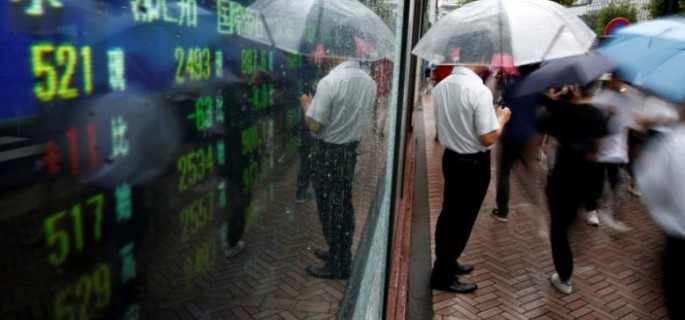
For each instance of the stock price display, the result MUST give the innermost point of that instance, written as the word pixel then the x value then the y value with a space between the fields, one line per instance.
pixel 123 117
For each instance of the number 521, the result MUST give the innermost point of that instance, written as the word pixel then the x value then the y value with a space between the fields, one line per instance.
pixel 54 69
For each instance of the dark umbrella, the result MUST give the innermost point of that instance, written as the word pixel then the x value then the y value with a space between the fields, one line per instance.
pixel 581 70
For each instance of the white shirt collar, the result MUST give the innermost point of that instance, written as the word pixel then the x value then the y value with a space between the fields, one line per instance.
pixel 345 65
pixel 466 71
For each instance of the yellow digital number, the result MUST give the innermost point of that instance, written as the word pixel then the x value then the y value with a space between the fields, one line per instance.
pixel 67 58
pixel 87 57
pixel 51 83
pixel 46 90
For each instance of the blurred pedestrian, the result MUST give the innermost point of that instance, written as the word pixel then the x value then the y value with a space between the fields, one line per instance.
pixel 514 143
pixel 660 173
pixel 468 126
pixel 612 156
pixel 577 125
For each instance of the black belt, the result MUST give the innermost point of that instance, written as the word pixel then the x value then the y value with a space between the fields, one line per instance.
pixel 469 156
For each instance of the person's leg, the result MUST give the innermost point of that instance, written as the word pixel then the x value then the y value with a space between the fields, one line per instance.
pixel 674 278
pixel 322 185
pixel 593 192
pixel 508 154
pixel 466 183
pixel 342 217
pixel 305 170
pixel 563 214
pixel 610 209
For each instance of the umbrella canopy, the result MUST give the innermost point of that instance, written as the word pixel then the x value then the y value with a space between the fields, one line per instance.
pixel 651 55
pixel 557 73
pixel 529 30
pixel 332 28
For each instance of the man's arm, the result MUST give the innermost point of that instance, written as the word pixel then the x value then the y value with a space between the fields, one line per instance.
pixel 503 116
pixel 312 125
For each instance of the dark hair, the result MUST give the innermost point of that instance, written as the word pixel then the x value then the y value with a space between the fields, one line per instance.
pixel 479 48
pixel 340 42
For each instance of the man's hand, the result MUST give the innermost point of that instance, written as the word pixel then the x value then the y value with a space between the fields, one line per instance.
pixel 556 94
pixel 503 115
pixel 305 101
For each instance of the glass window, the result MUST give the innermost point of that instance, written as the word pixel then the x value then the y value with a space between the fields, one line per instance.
pixel 156 160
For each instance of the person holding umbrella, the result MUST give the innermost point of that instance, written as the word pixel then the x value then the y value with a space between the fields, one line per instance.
pixel 335 116
pixel 577 125
pixel 468 125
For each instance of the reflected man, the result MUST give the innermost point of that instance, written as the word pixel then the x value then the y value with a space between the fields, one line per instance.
pixel 336 116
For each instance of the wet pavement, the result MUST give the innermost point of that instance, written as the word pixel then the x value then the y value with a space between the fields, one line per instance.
pixel 615 277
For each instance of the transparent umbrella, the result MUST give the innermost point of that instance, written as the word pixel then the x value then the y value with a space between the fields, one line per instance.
pixel 530 31
pixel 334 28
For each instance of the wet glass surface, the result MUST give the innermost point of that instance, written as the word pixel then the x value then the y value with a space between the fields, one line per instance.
pixel 151 156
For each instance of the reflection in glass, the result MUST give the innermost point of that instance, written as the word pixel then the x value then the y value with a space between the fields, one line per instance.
pixel 154 163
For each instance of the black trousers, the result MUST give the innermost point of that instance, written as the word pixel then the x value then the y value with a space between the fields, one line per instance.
pixel 332 174
pixel 566 192
pixel 509 154
pixel 305 170
pixel 600 174
pixel 674 278
pixel 467 177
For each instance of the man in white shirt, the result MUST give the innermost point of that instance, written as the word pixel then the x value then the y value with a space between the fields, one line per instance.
pixel 660 173
pixel 468 125
pixel 336 117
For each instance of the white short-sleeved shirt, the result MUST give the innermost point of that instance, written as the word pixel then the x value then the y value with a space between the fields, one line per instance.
pixel 614 147
pixel 464 111
pixel 660 174
pixel 344 98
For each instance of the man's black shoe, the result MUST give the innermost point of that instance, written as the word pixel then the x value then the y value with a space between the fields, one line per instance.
pixel 464 269
pixel 455 286
pixel 497 215
pixel 325 273
pixel 323 255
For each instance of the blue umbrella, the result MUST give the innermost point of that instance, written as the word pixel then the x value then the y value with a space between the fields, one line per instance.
pixel 581 69
pixel 651 55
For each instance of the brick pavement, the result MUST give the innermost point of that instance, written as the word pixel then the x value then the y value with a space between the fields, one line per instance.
pixel 615 277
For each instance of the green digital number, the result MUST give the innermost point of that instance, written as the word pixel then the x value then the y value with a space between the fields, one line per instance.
pixel 181 167
pixel 84 290
pixel 63 310
pixel 179 55
pixel 75 301
pixel 194 167
pixel 78 227
pixel 99 202
pixel 102 285
pixel 197 215
pixel 58 239
pixel 55 237
pixel 207 63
